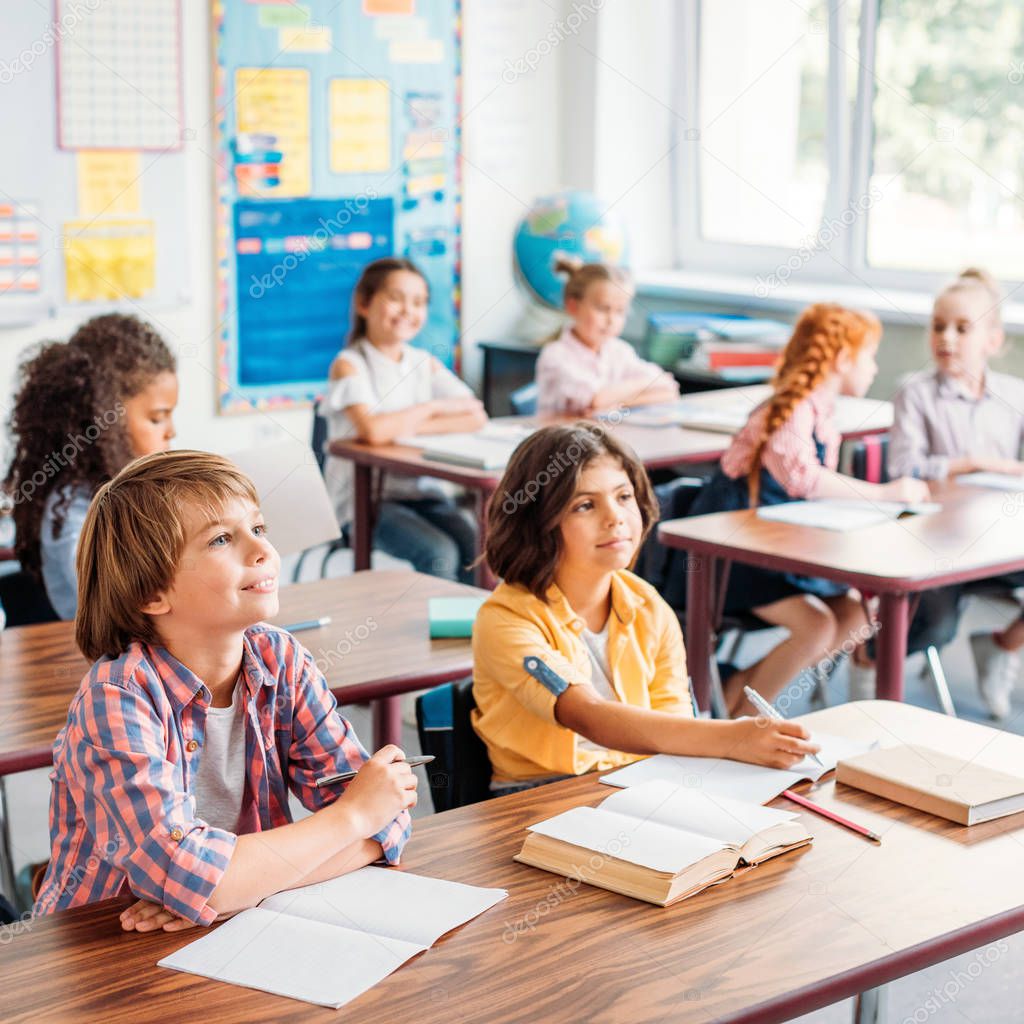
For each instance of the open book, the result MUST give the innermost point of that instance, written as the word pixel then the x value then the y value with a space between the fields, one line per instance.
pixel 490 447
pixel 735 780
pixel 835 514
pixel 328 943
pixel 660 842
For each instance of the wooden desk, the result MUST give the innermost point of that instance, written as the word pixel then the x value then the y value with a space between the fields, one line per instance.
pixel 788 937
pixel 656 447
pixel 977 534
pixel 376 647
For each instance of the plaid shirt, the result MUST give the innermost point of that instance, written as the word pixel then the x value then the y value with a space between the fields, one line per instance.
pixel 122 812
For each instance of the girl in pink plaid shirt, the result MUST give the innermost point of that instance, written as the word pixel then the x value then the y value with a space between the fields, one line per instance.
pixel 171 777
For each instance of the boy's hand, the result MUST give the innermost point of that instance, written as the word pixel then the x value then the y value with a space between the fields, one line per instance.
pixel 144 916
pixel 384 787
pixel 775 744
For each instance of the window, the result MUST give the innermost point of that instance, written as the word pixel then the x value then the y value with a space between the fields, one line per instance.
pixel 873 142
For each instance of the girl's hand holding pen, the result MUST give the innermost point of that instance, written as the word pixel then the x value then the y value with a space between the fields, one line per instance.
pixel 775 743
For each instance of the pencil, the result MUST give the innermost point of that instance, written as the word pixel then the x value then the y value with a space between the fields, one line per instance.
pixel 831 815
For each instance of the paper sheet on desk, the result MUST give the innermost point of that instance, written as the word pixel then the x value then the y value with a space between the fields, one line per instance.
pixel 736 780
pixel 841 516
pixel 328 943
pixel 996 481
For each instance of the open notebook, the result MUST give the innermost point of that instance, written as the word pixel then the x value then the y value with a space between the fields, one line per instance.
pixel 834 514
pixel 736 780
pixel 660 842
pixel 490 447
pixel 328 943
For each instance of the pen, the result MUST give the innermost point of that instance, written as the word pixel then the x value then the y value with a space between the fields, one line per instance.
pixel 296 627
pixel 330 780
pixel 831 815
pixel 768 711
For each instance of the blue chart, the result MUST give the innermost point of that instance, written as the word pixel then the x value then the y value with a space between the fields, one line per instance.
pixel 338 143
pixel 285 276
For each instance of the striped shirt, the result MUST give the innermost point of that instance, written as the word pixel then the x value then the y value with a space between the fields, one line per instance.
pixel 790 455
pixel 936 420
pixel 122 804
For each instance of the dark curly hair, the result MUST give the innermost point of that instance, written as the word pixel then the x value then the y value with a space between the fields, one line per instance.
pixel 67 423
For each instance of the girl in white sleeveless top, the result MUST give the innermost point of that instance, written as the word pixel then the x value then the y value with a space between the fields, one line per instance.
pixel 381 389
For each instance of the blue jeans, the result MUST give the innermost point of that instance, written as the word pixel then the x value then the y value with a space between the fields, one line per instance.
pixel 437 536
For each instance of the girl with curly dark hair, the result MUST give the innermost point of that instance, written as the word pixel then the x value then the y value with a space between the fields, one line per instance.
pixel 83 410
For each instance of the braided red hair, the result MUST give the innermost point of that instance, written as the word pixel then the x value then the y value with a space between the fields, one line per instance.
pixel 823 332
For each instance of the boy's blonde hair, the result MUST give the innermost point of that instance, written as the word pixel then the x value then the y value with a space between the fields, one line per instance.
pixel 978 280
pixel 133 539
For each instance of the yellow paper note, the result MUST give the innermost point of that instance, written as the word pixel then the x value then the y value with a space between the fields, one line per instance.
pixel 311 39
pixel 360 125
pixel 109 259
pixel 108 181
pixel 389 6
pixel 416 51
pixel 275 101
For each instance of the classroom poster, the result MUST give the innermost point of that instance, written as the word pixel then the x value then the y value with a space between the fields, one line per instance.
pixel 338 141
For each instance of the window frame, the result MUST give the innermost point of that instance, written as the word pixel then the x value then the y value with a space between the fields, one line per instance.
pixel 849 151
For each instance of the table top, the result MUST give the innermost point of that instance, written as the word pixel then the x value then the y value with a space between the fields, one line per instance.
pixel 656 447
pixel 978 533
pixel 376 645
pixel 798 932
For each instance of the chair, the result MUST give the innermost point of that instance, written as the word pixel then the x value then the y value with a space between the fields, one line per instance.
pixel 666 569
pixel 461 771
pixel 524 400
pixel 869 457
pixel 318 442
pixel 24 600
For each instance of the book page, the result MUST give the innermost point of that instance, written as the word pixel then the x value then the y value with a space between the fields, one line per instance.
pixel 736 780
pixel 288 956
pixel 1011 482
pixel 385 901
pixel 647 843
pixel 731 821
pixel 840 515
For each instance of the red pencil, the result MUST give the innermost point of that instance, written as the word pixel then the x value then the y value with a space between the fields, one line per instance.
pixel 831 815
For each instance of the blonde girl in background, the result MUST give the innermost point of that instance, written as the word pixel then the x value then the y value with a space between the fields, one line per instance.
pixel 588 367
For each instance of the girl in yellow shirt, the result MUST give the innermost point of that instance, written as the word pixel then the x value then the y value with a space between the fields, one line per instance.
pixel 579 664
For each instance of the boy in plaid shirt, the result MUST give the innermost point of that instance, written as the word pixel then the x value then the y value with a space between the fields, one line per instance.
pixel 171 776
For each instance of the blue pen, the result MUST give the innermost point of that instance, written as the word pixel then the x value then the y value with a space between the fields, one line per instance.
pixel 297 627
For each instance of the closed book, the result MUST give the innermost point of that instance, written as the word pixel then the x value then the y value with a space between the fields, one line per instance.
pixel 452 616
pixel 930 780
pixel 660 842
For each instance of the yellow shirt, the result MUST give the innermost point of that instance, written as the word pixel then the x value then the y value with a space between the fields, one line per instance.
pixel 526 652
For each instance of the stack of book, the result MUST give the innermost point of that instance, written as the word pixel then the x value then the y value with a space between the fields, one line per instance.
pixel 735 348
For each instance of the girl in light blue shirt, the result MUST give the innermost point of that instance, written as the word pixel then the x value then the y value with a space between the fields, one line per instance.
pixel 83 409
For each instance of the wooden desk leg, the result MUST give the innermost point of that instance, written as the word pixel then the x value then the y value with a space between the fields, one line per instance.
pixel 387 722
pixel 891 649
pixel 484 577
pixel 699 595
pixel 362 516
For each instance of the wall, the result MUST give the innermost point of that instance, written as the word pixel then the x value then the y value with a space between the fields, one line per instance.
pixel 511 138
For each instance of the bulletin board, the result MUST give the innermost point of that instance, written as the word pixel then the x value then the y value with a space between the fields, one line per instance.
pixel 338 142
pixel 92 187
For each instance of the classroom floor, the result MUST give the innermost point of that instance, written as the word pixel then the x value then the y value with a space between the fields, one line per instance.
pixel 948 992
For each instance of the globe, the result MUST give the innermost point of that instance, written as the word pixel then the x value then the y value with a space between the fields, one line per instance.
pixel 574 223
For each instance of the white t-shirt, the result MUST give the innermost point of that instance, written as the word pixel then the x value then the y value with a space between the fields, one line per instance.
pixel 385 386
pixel 601 674
pixel 220 780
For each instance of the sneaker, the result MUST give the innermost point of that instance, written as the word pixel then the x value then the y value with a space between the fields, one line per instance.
pixel 862 681
pixel 997 672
